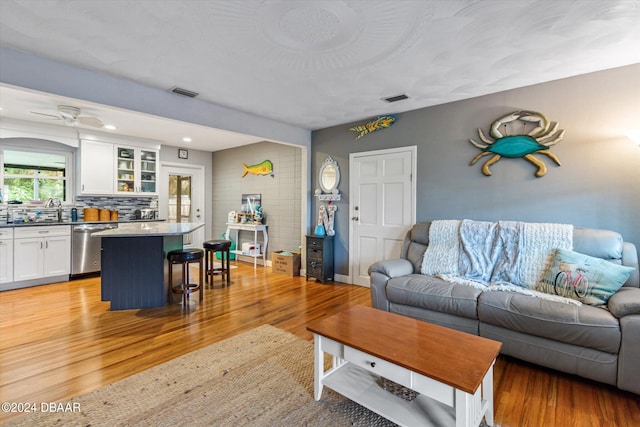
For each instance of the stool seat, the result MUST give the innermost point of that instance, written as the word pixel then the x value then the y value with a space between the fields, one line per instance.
pixel 185 255
pixel 212 247
pixel 217 245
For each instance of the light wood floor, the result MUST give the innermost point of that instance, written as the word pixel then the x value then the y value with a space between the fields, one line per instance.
pixel 60 340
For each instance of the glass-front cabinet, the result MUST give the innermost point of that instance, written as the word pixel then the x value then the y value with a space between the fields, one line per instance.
pixel 148 171
pixel 125 170
pixel 136 170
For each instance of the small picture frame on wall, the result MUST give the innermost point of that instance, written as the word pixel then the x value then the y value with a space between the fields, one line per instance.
pixel 182 153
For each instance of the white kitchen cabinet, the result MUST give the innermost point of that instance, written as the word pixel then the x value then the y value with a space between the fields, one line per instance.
pixel 6 255
pixel 136 170
pixel 96 168
pixel 41 251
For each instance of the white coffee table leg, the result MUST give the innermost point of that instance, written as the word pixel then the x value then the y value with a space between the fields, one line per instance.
pixel 487 395
pixel 318 366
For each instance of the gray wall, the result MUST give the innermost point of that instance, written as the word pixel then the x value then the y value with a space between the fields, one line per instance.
pixel 598 184
pixel 281 194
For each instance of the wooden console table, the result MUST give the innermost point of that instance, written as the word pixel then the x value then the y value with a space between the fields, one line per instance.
pixel 452 371
pixel 250 227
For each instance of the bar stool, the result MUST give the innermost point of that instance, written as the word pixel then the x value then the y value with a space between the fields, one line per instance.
pixel 185 257
pixel 211 248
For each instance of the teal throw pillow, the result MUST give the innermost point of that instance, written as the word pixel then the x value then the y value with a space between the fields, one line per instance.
pixel 582 277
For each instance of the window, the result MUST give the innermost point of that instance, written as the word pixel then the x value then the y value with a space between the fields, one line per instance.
pixel 35 175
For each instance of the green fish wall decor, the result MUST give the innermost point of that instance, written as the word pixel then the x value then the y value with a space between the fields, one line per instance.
pixel 264 168
pixel 382 122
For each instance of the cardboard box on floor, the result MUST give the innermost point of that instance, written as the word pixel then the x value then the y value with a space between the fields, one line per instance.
pixel 288 263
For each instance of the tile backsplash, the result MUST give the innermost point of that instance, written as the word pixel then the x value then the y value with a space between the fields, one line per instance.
pixel 126 207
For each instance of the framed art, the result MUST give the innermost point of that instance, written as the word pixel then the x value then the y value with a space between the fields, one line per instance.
pixel 182 153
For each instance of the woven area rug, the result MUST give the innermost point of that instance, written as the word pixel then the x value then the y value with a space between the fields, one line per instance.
pixel 263 377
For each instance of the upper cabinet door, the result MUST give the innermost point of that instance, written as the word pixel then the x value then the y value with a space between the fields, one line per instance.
pixel 136 170
pixel 96 168
pixel 126 161
pixel 148 171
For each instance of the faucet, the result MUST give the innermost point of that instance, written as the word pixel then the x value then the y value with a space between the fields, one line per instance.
pixel 55 202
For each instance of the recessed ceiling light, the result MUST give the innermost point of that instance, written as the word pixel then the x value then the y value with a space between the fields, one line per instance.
pixel 110 127
pixel 186 139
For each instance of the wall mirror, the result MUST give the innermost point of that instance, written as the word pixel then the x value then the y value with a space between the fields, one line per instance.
pixel 329 177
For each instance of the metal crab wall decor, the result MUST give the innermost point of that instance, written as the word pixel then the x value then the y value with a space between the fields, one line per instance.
pixel 521 142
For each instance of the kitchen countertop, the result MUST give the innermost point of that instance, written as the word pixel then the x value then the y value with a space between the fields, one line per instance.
pixel 148 229
pixel 4 224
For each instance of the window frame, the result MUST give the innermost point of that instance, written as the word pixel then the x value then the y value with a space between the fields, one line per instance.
pixel 69 167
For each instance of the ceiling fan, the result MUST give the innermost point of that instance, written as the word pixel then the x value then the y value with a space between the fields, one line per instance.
pixel 71 116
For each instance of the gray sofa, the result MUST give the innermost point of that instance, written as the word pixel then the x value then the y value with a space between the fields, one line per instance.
pixel 602 344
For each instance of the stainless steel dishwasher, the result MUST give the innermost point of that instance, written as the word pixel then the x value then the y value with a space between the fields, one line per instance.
pixel 85 250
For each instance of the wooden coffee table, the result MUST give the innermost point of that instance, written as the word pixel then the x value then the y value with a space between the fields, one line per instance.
pixel 452 371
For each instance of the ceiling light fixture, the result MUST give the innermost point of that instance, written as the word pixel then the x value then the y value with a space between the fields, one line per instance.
pixel 186 139
pixel 634 135
pixel 110 127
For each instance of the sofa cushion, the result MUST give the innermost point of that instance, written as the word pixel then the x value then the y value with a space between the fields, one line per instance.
pixel 582 277
pixel 434 294
pixel 584 325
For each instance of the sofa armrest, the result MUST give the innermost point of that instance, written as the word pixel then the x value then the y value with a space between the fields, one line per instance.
pixel 628 366
pixel 630 259
pixel 625 302
pixel 392 267
pixel 379 273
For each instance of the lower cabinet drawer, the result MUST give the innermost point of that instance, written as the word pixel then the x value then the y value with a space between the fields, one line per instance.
pixel 378 366
pixel 314 254
pixel 314 269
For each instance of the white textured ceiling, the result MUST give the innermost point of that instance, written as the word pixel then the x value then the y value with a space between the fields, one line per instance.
pixel 319 63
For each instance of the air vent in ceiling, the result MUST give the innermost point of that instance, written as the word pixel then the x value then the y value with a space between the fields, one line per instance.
pixel 395 98
pixel 184 92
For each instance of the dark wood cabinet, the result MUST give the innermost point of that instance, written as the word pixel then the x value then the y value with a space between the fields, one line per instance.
pixel 320 258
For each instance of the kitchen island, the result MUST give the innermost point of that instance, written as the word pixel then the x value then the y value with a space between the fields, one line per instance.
pixel 134 262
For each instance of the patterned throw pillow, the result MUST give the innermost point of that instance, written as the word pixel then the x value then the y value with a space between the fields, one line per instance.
pixel 587 279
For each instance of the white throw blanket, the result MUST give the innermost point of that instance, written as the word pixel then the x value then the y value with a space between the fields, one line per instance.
pixel 506 253
pixel 443 252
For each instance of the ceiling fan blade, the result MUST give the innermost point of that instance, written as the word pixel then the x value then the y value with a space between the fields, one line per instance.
pixel 90 121
pixel 66 116
pixel 53 116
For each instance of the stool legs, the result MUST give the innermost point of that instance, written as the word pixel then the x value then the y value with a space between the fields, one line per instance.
pixel 201 282
pixel 225 257
pixel 186 287
pixel 227 269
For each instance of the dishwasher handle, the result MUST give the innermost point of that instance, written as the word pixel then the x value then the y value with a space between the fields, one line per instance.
pixel 90 228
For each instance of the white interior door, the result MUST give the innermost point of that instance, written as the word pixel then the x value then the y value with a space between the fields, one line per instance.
pixel 181 198
pixel 382 206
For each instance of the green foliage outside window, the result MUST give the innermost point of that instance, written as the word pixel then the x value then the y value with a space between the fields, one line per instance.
pixel 26 182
